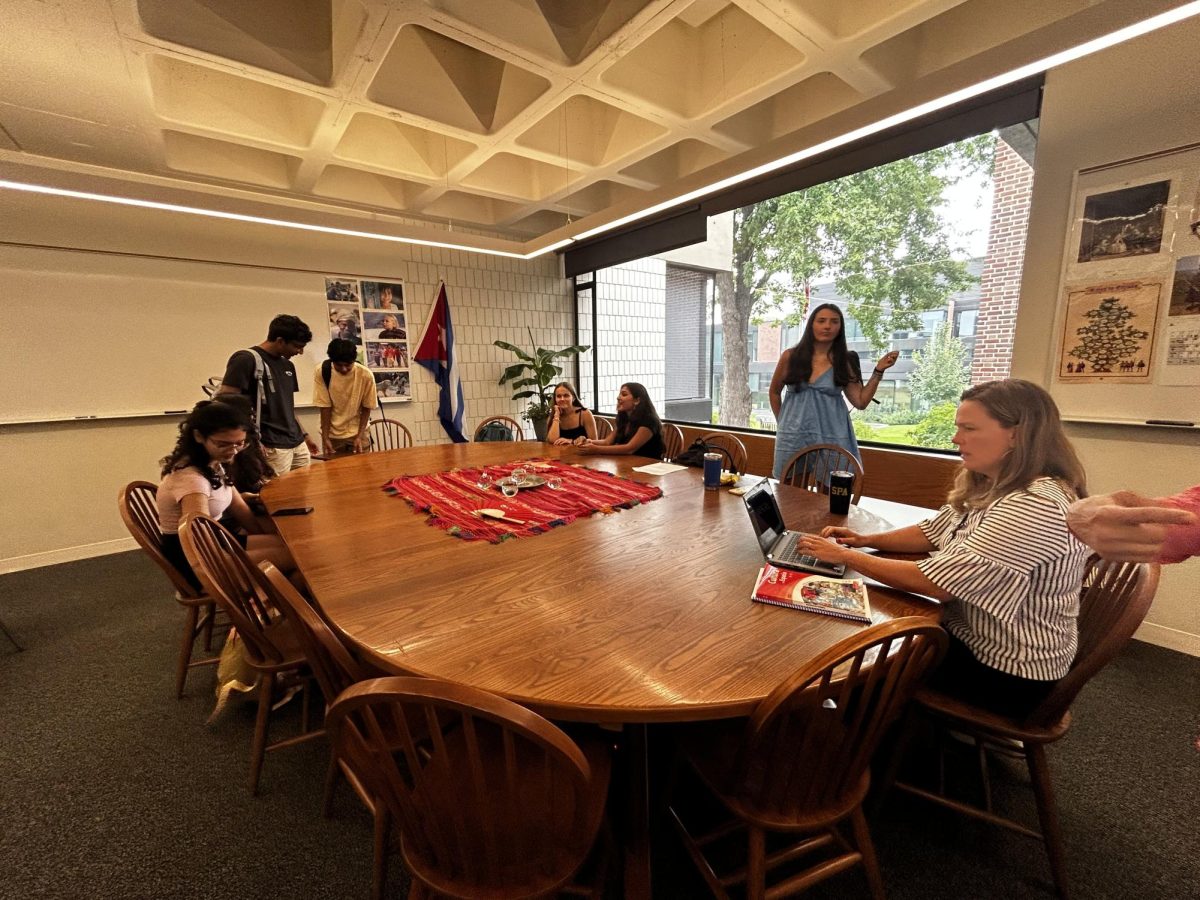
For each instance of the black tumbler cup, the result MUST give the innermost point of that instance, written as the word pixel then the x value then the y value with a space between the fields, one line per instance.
pixel 841 486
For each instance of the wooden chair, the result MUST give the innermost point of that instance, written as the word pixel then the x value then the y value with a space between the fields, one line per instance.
pixel 138 505
pixel 272 647
pixel 503 803
pixel 800 765
pixel 388 434
pixel 511 425
pixel 604 427
pixel 810 469
pixel 732 444
pixel 212 385
pixel 335 669
pixel 672 438
pixel 1114 600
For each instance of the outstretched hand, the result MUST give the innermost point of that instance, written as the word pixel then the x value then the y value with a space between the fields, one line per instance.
pixel 1125 526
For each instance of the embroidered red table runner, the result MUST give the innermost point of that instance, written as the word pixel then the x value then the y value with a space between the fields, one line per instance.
pixel 453 498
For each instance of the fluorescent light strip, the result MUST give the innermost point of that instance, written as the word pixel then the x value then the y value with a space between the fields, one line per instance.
pixel 258 220
pixel 1057 59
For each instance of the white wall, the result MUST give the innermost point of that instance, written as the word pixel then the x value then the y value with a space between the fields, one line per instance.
pixel 59 482
pixel 1138 98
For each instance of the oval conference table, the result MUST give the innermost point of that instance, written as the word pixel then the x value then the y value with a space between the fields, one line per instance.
pixel 635 617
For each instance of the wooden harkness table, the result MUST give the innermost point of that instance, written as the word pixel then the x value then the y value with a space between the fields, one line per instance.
pixel 635 617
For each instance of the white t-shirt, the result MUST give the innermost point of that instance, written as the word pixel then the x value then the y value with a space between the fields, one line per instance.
pixel 177 485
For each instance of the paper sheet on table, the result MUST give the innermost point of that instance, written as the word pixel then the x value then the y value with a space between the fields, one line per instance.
pixel 659 468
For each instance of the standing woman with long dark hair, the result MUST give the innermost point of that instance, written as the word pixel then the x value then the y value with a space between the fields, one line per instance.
pixel 817 373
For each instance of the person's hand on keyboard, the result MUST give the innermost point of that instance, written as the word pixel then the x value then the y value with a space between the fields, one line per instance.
pixel 823 549
pixel 845 536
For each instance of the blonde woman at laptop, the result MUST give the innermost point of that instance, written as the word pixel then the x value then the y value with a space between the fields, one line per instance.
pixel 1001 555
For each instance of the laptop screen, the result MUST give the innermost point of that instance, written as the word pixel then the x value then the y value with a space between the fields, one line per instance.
pixel 764 514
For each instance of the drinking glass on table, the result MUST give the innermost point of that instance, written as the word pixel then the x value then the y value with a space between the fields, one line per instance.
pixel 509 488
pixel 518 475
pixel 483 480
pixel 554 483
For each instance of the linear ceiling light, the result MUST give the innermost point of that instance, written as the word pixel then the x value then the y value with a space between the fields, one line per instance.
pixel 1119 36
pixel 259 220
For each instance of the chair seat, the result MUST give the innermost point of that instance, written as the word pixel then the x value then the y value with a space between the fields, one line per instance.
pixel 283 636
pixel 712 750
pixel 595 749
pixel 953 709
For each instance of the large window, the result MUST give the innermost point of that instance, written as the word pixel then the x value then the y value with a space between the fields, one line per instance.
pixel 922 255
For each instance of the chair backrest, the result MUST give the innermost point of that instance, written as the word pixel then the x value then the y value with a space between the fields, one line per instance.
pixel 499 428
pixel 493 802
pixel 732 445
pixel 211 385
pixel 1115 599
pixel 388 434
pixel 604 427
pixel 331 662
pixel 232 580
pixel 811 466
pixel 808 745
pixel 138 503
pixel 672 438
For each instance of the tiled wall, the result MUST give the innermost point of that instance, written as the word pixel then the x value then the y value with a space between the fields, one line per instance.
pixel 631 301
pixel 490 299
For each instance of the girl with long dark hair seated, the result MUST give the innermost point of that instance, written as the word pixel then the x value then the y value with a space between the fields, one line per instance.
pixel 571 422
pixel 638 429
pixel 817 372
pixel 195 482
pixel 1001 555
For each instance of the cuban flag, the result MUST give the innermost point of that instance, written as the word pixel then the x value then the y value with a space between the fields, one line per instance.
pixel 436 353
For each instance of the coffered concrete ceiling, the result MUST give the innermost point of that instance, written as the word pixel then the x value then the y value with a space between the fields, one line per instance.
pixel 522 120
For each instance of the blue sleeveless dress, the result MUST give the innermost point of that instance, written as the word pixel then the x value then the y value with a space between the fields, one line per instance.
pixel 812 413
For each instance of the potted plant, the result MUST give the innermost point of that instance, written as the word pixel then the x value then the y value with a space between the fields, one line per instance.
pixel 532 377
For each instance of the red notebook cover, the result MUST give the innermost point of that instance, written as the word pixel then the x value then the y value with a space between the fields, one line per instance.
pixel 845 598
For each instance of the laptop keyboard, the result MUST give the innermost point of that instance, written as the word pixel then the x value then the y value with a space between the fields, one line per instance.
pixel 789 554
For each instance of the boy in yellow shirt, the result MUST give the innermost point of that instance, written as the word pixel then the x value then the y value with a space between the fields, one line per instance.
pixel 345 392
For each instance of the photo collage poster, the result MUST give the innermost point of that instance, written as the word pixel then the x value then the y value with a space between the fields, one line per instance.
pixel 373 315
pixel 1131 278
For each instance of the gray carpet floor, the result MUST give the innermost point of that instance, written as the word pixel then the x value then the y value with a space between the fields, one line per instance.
pixel 114 789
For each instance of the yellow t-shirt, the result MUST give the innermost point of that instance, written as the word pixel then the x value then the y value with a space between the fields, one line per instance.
pixel 347 396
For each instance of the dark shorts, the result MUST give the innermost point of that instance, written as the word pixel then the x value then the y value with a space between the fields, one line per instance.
pixel 962 676
pixel 173 551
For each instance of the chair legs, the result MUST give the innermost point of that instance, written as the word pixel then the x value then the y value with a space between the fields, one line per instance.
pixel 1043 792
pixel 266 692
pixel 862 837
pixel 193 626
pixel 383 835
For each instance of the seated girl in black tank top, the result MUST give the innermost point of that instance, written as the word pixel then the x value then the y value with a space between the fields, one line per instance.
pixel 570 422
pixel 638 430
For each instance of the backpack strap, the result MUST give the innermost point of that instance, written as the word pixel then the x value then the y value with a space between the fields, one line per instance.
pixel 263 382
pixel 327 372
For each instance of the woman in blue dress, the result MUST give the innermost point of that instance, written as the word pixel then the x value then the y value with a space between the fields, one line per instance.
pixel 817 373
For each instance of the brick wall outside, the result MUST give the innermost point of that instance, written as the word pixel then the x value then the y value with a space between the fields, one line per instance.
pixel 1000 281
pixel 769 337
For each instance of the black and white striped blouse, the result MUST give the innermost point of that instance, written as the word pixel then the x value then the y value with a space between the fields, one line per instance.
pixel 1016 571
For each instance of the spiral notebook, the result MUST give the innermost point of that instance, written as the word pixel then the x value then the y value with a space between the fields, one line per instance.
pixel 845 598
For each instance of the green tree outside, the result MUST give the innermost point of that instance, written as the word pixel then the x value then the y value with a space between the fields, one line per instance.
pixel 940 370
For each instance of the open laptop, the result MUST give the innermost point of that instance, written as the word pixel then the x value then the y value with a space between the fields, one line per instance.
pixel 777 543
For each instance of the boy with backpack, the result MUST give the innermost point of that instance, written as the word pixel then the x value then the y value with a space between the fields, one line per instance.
pixel 265 374
pixel 345 392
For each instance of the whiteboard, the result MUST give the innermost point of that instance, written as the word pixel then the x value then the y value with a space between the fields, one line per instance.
pixel 104 335
pixel 1110 255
